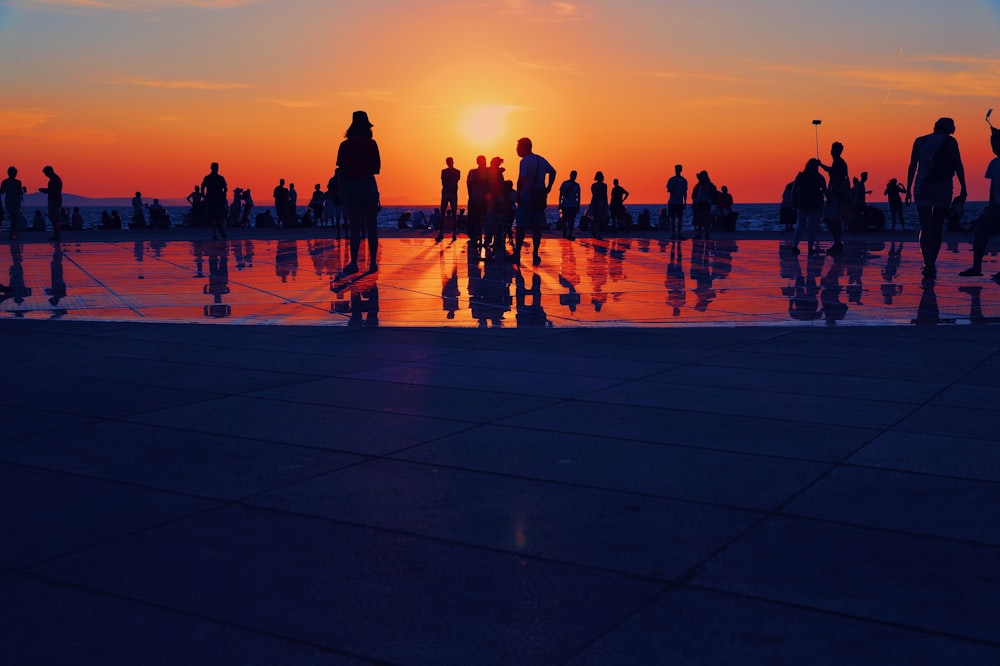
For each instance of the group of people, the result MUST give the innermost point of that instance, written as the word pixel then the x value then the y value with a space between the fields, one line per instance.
pixel 497 205
pixel 935 164
pixel 13 191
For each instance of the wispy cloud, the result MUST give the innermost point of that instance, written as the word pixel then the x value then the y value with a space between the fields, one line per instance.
pixel 728 100
pixel 293 103
pixel 137 5
pixel 186 85
pixel 374 95
pixel 13 123
pixel 950 76
pixel 534 11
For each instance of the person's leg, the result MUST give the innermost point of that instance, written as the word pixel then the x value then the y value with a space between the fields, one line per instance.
pixel 799 228
pixel 931 233
pixel 989 226
pixel 536 237
pixel 812 229
pixel 356 219
pixel 372 225
pixel 55 210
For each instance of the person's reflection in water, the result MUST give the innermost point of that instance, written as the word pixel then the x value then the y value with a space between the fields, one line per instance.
pixel 364 301
pixel 927 311
pixel 833 309
pixel 450 290
pixel 889 272
pixel 58 289
pixel 323 253
pixel 597 271
pixel 489 293
pixel 17 289
pixel 157 247
pixel 976 315
pixel 722 258
pixel 855 265
pixel 530 313
pixel 286 259
pixel 675 283
pixel 803 299
pixel 218 279
pixel 617 247
pixel 198 250
pixel 139 251
pixel 701 273
pixel 569 278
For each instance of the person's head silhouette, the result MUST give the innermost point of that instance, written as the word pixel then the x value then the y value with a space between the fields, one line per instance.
pixel 11 171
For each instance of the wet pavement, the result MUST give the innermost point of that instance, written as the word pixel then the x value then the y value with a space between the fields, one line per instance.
pixel 633 484
pixel 617 282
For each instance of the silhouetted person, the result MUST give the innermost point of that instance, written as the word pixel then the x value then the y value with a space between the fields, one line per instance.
pixel 477 183
pixel 860 194
pixel 663 220
pixel 838 196
pixel 138 213
pixel 214 187
pixel 280 202
pixel 116 220
pixel 786 214
pixel 534 182
pixel 702 200
pixel 616 206
pixel 725 214
pixel 569 204
pixel 158 216
pixel 247 208
pixel 449 194
pixel 808 193
pixel 105 220
pixel 76 220
pixel 677 189
pixel 496 209
pixel 13 192
pixel 293 204
pixel 359 162
pixel 893 193
pixel 644 222
pixel 54 191
pixel 989 221
pixel 599 207
pixel 197 201
pixel 236 207
pixel 934 162
pixel 316 204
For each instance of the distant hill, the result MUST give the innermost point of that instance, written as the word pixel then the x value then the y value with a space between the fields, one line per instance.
pixel 39 200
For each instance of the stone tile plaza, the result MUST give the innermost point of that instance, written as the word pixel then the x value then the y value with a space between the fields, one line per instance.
pixel 638 452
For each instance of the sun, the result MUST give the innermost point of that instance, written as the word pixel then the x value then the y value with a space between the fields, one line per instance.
pixel 484 124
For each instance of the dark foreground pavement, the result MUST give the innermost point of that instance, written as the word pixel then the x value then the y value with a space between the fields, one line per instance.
pixel 185 494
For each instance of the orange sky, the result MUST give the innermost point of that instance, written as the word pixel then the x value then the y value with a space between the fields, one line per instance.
pixel 122 95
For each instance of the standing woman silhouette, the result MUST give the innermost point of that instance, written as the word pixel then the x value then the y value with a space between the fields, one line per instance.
pixel 359 162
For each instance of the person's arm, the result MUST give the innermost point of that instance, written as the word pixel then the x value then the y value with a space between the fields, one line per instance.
pixel 624 195
pixel 911 170
pixel 960 174
pixel 552 178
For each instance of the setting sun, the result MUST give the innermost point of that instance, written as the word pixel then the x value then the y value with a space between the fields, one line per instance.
pixel 483 125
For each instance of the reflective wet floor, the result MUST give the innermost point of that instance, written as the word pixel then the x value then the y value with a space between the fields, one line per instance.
pixel 614 282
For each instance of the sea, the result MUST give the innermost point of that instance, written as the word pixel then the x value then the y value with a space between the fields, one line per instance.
pixel 752 217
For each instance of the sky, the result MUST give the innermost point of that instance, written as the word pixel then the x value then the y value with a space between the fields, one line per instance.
pixel 128 95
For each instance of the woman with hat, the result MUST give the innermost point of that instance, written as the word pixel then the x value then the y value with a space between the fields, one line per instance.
pixel 359 162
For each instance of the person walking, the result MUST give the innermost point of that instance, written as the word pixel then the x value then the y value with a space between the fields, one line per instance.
pixel 935 161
